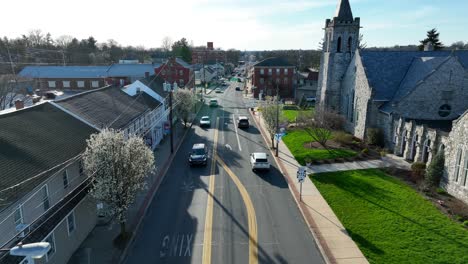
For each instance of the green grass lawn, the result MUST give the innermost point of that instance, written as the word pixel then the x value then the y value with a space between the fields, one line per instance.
pixel 391 222
pixel 291 114
pixel 295 140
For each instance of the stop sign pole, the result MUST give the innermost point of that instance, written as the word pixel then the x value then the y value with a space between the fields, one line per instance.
pixel 301 174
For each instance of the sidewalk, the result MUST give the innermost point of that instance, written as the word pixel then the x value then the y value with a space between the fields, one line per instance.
pixel 98 247
pixel 332 239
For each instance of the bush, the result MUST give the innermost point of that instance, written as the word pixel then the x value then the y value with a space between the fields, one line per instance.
pixel 290 107
pixel 417 171
pixel 441 191
pixel 435 170
pixel 465 224
pixel 375 137
pixel 365 151
pixel 343 138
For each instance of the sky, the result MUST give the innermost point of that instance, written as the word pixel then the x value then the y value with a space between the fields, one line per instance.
pixel 239 24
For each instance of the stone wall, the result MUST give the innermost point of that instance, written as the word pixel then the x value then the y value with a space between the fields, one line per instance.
pixel 457 142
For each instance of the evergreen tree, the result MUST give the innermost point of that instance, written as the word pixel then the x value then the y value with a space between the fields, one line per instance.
pixel 432 38
pixel 435 170
pixel 181 49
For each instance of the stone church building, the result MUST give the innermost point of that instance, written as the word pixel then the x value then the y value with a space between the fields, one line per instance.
pixel 417 98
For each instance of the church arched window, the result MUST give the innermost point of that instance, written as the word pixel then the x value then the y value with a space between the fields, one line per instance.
pixel 350 43
pixel 338 48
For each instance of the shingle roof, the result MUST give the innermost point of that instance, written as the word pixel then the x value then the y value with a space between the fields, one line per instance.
pixel 386 70
pixel 34 140
pixel 105 107
pixel 343 11
pixel 155 84
pixel 272 62
pixel 148 100
pixel 138 70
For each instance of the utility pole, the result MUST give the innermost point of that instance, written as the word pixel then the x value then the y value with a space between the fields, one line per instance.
pixel 277 117
pixel 170 118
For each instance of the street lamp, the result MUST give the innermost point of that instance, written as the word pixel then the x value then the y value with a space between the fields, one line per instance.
pixel 168 88
pixel 30 251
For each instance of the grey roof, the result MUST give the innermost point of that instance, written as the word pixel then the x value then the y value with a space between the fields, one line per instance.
pixel 155 84
pixel 272 62
pixel 139 69
pixel 386 70
pixel 183 63
pixel 64 71
pixel 34 140
pixel 147 100
pixel 105 107
pixel 114 70
pixel 343 11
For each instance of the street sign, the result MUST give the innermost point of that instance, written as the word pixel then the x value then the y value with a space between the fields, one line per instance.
pixel 301 174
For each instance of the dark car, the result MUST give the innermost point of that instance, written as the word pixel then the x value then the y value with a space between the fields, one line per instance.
pixel 198 155
pixel 237 88
pixel 243 122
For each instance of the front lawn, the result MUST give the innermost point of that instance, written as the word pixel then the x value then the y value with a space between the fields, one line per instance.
pixel 292 114
pixel 296 139
pixel 391 222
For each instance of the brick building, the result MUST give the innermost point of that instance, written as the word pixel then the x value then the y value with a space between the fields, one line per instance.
pixel 208 55
pixel 176 70
pixel 271 73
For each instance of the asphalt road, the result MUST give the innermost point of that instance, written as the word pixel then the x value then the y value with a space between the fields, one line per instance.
pixel 251 216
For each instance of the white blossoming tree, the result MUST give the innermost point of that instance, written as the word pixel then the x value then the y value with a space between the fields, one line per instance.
pixel 184 104
pixel 119 167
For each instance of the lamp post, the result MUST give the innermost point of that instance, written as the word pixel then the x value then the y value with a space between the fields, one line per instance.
pixel 277 118
pixel 30 251
pixel 168 88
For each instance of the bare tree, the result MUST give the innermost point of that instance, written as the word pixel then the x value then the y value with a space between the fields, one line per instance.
pixel 63 41
pixel 361 44
pixel 119 167
pixel 272 115
pixel 166 44
pixel 321 126
pixel 184 104
pixel 8 91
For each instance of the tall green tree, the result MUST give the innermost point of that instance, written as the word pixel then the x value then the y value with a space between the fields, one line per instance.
pixel 432 38
pixel 181 49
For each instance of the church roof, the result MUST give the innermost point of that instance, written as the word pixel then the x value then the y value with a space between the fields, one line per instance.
pixel 343 11
pixel 395 73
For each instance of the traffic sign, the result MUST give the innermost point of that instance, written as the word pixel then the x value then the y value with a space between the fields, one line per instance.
pixel 301 174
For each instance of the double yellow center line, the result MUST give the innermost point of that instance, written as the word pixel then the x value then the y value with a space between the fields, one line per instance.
pixel 252 219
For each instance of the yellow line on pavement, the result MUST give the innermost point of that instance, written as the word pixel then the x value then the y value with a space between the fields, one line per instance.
pixel 252 219
pixel 206 259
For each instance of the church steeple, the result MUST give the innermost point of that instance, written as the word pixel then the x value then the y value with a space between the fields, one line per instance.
pixel 343 11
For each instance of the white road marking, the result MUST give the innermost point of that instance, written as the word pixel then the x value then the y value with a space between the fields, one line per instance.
pixel 237 134
pixel 177 246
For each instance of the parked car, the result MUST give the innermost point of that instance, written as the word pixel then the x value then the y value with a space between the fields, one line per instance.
pixel 213 102
pixel 205 121
pixel 237 88
pixel 218 90
pixel 259 161
pixel 198 155
pixel 243 122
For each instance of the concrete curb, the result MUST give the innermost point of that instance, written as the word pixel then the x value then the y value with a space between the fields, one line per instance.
pixel 322 246
pixel 154 188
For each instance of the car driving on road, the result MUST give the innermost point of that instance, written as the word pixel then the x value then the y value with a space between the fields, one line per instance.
pixel 243 122
pixel 205 121
pixel 259 161
pixel 213 102
pixel 198 155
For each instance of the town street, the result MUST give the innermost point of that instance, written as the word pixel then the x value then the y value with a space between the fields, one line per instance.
pixel 224 212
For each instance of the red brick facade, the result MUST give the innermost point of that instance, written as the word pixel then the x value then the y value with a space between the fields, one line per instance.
pixel 176 72
pixel 208 55
pixel 265 80
pixel 70 83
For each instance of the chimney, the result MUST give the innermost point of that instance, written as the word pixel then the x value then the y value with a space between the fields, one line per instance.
pixel 209 46
pixel 428 47
pixel 146 74
pixel 19 104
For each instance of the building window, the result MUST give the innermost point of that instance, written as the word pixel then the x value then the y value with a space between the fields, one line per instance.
pixel 45 198
pixel 262 71
pixel 262 81
pixel 270 71
pixel 465 171
pixel 445 110
pixel 163 72
pixel 66 84
pixel 457 164
pixel 350 41
pixel 51 239
pixel 181 82
pixel 95 84
pixel 51 84
pixel 278 71
pixel 65 179
pixel 71 222
pixel 277 81
pixel 338 45
pixel 80 84
pixel 286 80
pixel 285 71
pixel 181 72
pixel 18 215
